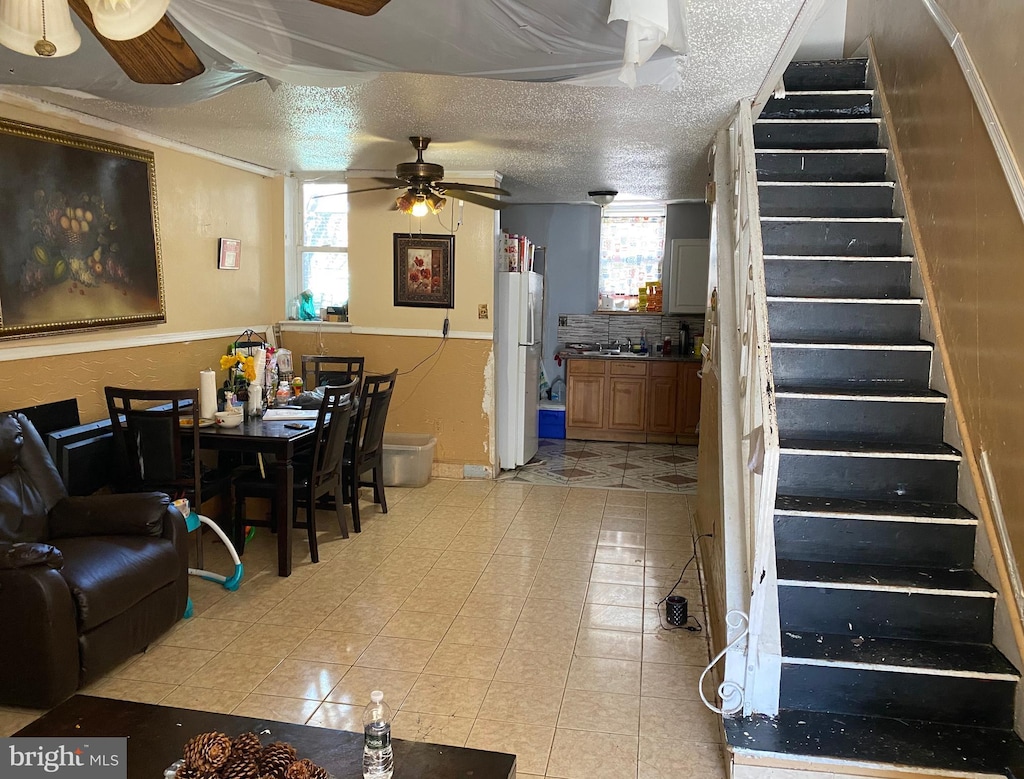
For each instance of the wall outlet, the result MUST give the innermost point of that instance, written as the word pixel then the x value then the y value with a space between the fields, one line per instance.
pixel 481 311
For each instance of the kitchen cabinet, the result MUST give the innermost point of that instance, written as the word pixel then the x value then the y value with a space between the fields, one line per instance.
pixel 662 397
pixel 585 390
pixel 688 276
pixel 637 400
pixel 627 396
pixel 688 399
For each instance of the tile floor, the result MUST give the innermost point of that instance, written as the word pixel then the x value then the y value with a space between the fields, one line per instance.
pixel 603 464
pixel 498 615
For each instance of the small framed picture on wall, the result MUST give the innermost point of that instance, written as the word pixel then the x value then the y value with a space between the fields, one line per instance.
pixel 229 255
pixel 425 270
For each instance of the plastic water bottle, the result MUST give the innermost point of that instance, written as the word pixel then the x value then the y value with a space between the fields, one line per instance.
pixel 378 758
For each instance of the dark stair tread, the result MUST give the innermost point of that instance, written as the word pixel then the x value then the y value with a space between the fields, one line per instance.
pixel 859 342
pixel 960 580
pixel 897 652
pixel 881 393
pixel 852 506
pixel 826 74
pixel 924 745
pixel 943 451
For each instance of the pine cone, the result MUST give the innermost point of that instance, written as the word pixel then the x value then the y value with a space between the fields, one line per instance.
pixel 275 759
pixel 247 746
pixel 239 768
pixel 207 752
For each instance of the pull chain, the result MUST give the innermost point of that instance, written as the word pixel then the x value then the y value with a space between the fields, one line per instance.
pixel 43 47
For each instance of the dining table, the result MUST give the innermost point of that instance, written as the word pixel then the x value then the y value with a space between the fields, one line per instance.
pixel 262 437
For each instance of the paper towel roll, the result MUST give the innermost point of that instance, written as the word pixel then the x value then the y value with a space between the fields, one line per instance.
pixel 207 394
pixel 260 358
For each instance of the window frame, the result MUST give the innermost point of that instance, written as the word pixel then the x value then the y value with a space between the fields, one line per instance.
pixel 627 209
pixel 295 230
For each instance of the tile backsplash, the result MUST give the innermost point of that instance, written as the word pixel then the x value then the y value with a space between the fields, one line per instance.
pixel 605 328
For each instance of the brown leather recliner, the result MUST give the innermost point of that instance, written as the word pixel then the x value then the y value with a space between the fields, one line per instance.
pixel 85 582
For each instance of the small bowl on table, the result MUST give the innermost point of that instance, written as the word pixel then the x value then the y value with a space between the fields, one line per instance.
pixel 228 418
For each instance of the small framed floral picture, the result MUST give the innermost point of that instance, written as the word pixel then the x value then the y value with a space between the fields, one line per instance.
pixel 425 270
pixel 229 255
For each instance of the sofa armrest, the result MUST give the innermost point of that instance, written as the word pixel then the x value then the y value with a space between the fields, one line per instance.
pixel 41 667
pixel 24 555
pixel 137 514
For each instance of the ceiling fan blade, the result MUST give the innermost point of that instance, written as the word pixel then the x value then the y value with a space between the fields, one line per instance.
pixel 392 181
pixel 472 197
pixel 471 188
pixel 159 56
pixel 361 7
pixel 399 185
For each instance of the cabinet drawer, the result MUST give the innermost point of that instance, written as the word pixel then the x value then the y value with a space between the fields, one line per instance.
pixel 579 367
pixel 627 368
pixel 666 369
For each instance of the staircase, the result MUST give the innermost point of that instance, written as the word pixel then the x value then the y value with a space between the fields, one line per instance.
pixel 886 628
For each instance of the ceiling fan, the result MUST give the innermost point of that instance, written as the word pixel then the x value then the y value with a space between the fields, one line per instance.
pixel 137 34
pixel 425 189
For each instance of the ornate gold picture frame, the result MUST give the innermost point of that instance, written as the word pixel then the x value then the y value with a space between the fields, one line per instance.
pixel 82 250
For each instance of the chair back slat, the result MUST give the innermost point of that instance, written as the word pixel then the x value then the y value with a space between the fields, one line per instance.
pixel 152 451
pixel 332 425
pixel 325 370
pixel 374 401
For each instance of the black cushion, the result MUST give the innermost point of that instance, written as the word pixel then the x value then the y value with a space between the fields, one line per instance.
pixel 107 575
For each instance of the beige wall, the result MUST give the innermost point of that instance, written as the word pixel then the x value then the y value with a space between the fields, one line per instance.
pixel 450 395
pixel 445 397
pixel 970 235
pixel 199 202
pixel 372 225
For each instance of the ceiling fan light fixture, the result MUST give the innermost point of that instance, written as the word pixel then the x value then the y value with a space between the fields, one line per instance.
pixel 405 202
pixel 25 25
pixel 121 20
pixel 436 202
pixel 602 197
pixel 420 207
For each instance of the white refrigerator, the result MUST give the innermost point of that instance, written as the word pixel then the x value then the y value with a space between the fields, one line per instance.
pixel 519 300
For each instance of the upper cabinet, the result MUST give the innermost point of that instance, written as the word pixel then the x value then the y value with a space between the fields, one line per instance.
pixel 688 276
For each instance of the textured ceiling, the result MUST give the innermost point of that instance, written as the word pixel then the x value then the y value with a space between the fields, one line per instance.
pixel 552 142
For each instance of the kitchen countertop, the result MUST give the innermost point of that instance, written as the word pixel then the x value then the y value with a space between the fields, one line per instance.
pixel 629 356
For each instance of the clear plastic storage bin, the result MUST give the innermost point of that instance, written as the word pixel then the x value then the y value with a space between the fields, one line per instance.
pixel 408 458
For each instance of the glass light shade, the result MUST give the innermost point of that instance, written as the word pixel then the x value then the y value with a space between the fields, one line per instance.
pixel 420 207
pixel 404 203
pixel 435 202
pixel 21 26
pixel 120 20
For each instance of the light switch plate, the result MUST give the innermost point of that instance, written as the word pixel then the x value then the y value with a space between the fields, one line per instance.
pixel 481 311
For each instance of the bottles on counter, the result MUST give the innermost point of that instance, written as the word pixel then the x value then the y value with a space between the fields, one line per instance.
pixel 378 757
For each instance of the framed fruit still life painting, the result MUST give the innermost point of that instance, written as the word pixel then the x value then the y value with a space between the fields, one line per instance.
pixel 425 270
pixel 82 247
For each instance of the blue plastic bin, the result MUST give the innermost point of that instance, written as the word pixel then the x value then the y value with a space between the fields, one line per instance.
pixel 551 420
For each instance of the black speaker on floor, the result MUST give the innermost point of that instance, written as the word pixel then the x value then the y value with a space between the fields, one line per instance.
pixel 675 610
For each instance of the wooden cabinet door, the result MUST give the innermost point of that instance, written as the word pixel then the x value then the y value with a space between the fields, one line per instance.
pixel 688 411
pixel 662 400
pixel 627 403
pixel 585 399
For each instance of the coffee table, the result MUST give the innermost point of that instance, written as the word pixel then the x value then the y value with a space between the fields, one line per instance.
pixel 156 735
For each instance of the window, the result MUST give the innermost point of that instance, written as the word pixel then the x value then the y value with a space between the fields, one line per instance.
pixel 323 253
pixel 632 246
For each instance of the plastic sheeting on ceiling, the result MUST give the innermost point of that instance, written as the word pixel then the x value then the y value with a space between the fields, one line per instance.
pixel 309 44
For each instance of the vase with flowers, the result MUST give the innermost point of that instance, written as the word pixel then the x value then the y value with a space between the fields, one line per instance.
pixel 241 370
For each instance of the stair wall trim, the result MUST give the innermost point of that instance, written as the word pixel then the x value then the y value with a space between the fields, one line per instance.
pixel 900 669
pixel 856 769
pixel 1000 142
pixel 1001 553
pixel 874 587
pixel 999 522
pixel 910 520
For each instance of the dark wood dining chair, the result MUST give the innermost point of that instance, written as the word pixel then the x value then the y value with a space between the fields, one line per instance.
pixel 314 479
pixel 321 370
pixel 156 446
pixel 365 451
